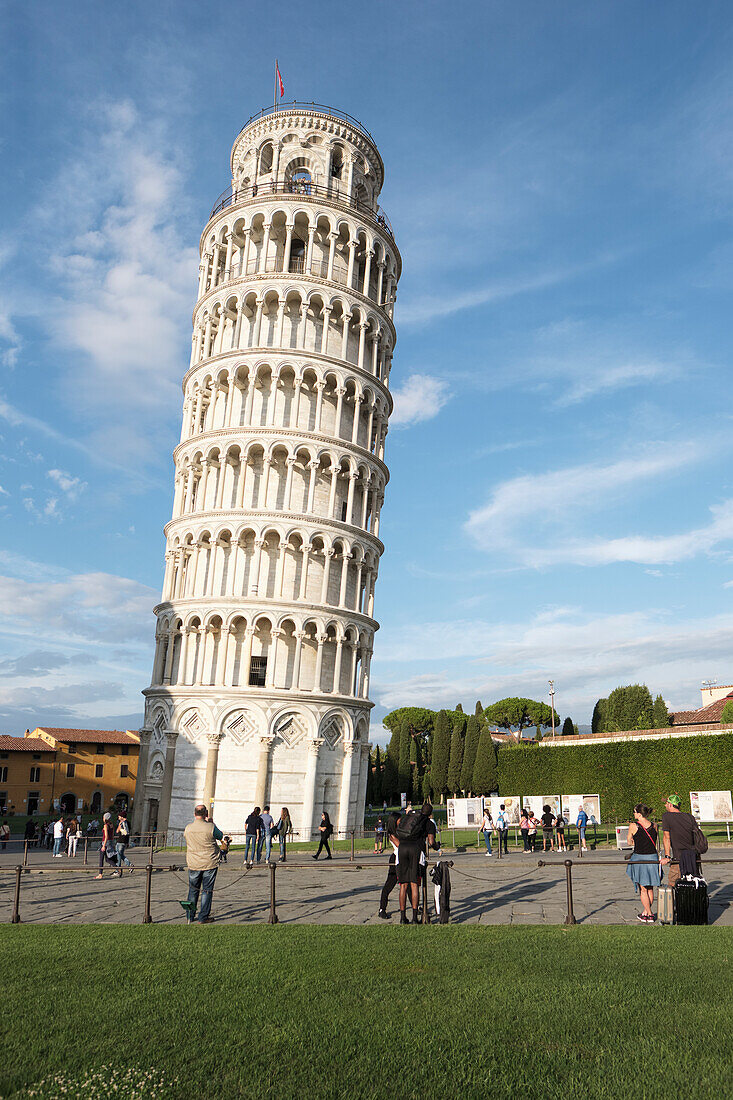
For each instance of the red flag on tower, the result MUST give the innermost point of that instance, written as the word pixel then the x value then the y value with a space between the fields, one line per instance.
pixel 279 80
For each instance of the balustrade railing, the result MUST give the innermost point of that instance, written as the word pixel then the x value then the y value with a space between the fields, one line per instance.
pixel 335 192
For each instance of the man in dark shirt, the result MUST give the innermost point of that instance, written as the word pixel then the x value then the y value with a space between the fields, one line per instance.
pixel 411 859
pixel 253 829
pixel 678 830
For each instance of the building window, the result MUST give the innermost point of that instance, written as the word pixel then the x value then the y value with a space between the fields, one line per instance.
pixel 35 775
pixel 3 800
pixel 3 775
pixel 36 756
pixel 125 750
pixel 3 756
pixel 98 771
pixel 72 748
pixel 100 750
pixel 70 771
pixel 123 771
pixel 34 801
pixel 257 672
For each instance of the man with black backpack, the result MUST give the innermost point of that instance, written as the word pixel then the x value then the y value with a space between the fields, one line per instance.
pixel 679 834
pixel 413 829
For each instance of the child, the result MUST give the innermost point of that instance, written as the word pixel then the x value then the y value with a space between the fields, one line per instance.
pixel 223 848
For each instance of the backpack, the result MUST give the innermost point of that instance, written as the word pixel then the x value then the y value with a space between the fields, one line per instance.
pixel 412 826
pixel 699 838
pixel 123 830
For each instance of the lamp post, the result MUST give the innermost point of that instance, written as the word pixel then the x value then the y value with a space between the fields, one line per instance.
pixel 552 703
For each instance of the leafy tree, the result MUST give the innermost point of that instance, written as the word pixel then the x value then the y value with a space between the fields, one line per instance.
pixel 600 712
pixel 538 734
pixel 485 769
pixel 568 728
pixel 517 714
pixel 660 714
pixel 629 707
pixel 455 761
pixel 440 755
pixel 726 715
pixel 478 710
pixel 473 733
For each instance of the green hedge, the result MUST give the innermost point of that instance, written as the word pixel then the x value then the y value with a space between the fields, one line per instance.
pixel 623 773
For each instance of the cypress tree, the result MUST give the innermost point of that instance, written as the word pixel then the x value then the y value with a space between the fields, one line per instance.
pixel 440 755
pixel 485 769
pixel 403 769
pixel 567 727
pixel 660 714
pixel 473 733
pixel 377 785
pixel 600 715
pixel 478 709
pixel 459 708
pixel 455 761
pixel 393 748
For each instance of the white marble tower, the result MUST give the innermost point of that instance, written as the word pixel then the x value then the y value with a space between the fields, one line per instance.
pixel 260 686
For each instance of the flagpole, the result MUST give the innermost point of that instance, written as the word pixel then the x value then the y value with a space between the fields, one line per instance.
pixel 274 102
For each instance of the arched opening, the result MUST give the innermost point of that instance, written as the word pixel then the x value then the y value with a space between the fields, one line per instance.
pixel 297 256
pixel 67 802
pixel 300 182
pixel 96 804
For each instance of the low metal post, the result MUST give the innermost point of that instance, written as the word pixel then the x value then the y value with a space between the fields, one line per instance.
pixel 25 854
pixel 454 837
pixel 499 843
pixel 352 856
pixel 272 919
pixel 152 847
pixel 580 846
pixel 147 918
pixel 425 912
pixel 16 900
pixel 86 850
pixel 570 917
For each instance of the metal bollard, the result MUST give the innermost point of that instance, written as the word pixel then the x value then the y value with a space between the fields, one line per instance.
pixel 580 846
pixel 499 842
pixel 147 918
pixel 351 857
pixel 454 837
pixel 570 917
pixel 25 854
pixel 16 900
pixel 152 847
pixel 86 850
pixel 272 919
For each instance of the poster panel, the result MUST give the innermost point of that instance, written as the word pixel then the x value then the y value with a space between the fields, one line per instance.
pixel 465 813
pixel 711 805
pixel 537 802
pixel 591 803
pixel 622 837
pixel 512 806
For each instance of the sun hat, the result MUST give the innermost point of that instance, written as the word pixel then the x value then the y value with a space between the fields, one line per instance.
pixel 108 817
pixel 675 800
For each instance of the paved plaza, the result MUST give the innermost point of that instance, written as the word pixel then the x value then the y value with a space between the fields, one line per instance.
pixel 484 891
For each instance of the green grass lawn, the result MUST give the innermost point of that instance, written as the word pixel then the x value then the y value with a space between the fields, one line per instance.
pixel 335 1012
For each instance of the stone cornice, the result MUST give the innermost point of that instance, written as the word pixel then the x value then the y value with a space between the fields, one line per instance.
pixel 262 696
pixel 287 355
pixel 264 605
pixel 283 433
pixel 275 518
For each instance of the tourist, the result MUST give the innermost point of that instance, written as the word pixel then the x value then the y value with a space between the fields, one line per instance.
pixel 252 831
pixel 325 829
pixel 548 829
pixel 413 830
pixel 379 836
pixel 580 824
pixel 58 837
pixel 502 827
pixel 29 834
pixel 265 836
pixel 50 834
pixel 560 824
pixel 284 826
pixel 391 880
pixel 122 839
pixel 678 835
pixel 202 860
pixel 107 848
pixel 487 827
pixel 4 834
pixel 524 830
pixel 72 837
pixel 534 824
pixel 644 868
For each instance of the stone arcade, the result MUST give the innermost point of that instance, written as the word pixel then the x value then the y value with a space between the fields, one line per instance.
pixel 260 685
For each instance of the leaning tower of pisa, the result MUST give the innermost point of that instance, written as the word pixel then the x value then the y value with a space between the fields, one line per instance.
pixel 260 686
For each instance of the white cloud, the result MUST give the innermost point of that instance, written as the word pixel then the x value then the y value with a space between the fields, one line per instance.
pixel 605 378
pixel 71 486
pixel 587 655
pixel 420 397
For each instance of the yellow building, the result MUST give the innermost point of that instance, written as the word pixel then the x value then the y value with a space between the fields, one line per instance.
pixel 26 775
pixel 67 769
pixel 92 768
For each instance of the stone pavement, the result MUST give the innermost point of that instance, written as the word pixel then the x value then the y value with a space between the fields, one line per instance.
pixel 485 891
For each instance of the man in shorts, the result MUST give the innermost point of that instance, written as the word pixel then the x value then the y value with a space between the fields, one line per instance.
pixel 412 832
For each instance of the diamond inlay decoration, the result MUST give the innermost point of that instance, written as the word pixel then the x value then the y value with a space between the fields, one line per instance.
pixel 241 727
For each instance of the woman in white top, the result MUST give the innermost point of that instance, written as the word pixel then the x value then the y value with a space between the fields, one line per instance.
pixel 487 828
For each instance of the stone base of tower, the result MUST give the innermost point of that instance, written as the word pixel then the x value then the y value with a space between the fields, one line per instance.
pixel 233 752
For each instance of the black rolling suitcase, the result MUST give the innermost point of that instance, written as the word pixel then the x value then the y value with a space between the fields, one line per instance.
pixel 691 901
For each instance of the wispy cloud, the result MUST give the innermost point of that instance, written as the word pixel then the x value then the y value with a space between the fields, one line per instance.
pixel 420 397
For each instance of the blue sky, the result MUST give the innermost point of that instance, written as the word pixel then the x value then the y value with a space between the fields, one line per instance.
pixel 560 181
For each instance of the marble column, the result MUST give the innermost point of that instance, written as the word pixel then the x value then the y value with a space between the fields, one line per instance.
pixel 309 788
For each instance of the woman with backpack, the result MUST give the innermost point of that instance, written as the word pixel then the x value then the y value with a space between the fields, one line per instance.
pixel 122 839
pixel 644 867
pixel 325 829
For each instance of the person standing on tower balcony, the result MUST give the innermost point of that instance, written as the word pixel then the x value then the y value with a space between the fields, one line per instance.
pixel 325 829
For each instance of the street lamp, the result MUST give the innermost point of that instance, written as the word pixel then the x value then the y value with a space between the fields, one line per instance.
pixel 552 703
